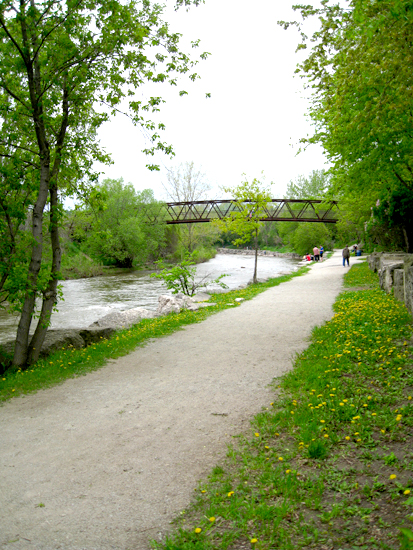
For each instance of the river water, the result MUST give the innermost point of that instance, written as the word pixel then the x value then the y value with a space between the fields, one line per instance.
pixel 86 300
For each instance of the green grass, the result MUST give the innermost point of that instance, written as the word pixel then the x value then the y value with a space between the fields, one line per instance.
pixel 328 464
pixel 70 362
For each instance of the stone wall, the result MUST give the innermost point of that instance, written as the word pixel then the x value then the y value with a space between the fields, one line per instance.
pixel 251 252
pixel 395 274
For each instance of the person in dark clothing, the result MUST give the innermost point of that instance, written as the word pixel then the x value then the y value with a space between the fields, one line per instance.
pixel 346 256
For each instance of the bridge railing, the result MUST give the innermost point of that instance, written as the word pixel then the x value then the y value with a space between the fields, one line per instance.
pixel 295 210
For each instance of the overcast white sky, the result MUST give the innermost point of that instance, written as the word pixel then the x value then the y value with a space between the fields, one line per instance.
pixel 255 116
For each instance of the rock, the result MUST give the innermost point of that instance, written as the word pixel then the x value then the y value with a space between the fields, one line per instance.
pixel 386 275
pixel 92 335
pixel 58 339
pixel 398 284
pixel 200 297
pixel 123 319
pixel 239 299
pixel 174 304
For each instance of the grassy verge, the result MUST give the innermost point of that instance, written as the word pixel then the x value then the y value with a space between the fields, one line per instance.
pixel 71 362
pixel 329 464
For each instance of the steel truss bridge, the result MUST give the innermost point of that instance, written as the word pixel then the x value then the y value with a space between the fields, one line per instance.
pixel 277 210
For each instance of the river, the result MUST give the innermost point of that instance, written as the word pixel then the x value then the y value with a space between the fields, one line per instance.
pixel 86 300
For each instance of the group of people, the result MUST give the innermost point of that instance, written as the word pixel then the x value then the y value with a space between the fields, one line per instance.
pixel 317 254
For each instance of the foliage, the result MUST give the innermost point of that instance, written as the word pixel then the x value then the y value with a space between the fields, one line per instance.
pixel 302 237
pixel 122 232
pixel 65 68
pixel 313 186
pixel 395 209
pixel 359 72
pixel 308 235
pixel 182 277
pixel 248 209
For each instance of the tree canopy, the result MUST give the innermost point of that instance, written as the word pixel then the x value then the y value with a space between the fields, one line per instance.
pixel 358 68
pixel 64 69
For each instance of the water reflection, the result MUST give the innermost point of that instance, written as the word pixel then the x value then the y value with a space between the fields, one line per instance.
pixel 86 300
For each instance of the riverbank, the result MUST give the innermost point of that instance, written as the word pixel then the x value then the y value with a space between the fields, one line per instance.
pixel 107 460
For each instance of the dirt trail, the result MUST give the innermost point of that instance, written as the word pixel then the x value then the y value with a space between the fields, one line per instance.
pixel 116 454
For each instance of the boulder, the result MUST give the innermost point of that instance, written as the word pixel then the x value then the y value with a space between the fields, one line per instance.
pixel 178 302
pixel 386 275
pixel 398 284
pixel 93 335
pixel 123 319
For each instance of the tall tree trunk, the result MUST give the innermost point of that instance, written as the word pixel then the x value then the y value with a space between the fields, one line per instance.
pixel 22 337
pixel 50 294
pixel 254 279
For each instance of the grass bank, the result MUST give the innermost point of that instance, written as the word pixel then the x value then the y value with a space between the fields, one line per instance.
pixel 329 464
pixel 69 362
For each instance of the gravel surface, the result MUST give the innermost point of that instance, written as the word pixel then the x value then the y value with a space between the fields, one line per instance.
pixel 115 455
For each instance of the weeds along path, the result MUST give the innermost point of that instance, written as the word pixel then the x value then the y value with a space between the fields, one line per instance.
pixel 107 460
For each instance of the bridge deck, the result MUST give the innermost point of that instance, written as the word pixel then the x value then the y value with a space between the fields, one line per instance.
pixel 278 210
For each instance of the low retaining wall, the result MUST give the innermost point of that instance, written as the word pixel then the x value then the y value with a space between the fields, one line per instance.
pixel 250 252
pixel 395 274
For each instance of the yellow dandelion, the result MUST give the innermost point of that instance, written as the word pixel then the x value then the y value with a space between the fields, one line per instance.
pixel 257 434
pixel 347 437
pixel 212 519
pixel 254 541
pixel 392 476
pixel 198 530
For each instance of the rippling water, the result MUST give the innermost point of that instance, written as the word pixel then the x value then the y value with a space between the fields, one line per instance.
pixel 86 300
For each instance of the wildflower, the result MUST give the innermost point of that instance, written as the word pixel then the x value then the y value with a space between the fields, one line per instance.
pixel 257 434
pixel 373 414
pixel 325 435
pixel 406 492
pixel 212 519
pixel 288 471
pixel 280 458
pixel 322 421
pixel 230 493
pixel 254 541
pixel 266 446
pixel 341 404
pixel 347 437
pixel 203 491
pixel 198 530
pixel 392 476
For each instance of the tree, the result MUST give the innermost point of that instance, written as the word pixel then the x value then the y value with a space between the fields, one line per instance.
pixel 65 67
pixel 182 277
pixel 245 219
pixel 185 183
pixel 302 237
pixel 120 233
pixel 359 71
pixel 314 186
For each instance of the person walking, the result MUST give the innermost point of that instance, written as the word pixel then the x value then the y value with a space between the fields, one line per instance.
pixel 321 253
pixel 346 256
pixel 316 253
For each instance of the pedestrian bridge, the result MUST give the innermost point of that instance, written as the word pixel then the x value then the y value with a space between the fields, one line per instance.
pixel 277 210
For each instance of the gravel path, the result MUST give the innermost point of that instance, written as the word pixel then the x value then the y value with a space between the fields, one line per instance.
pixel 116 454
